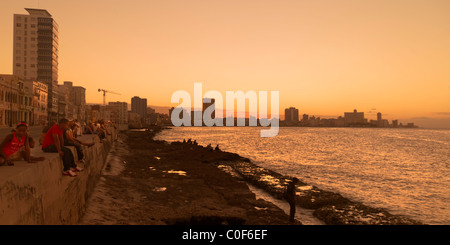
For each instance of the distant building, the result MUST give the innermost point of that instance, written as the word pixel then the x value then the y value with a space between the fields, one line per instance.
pixel 291 115
pixel 305 117
pixel 119 112
pixel 97 112
pixel 395 123
pixel 139 106
pixel 354 118
pixel 15 100
pixel 62 92
pixel 76 101
pixel 340 122
pixel 380 122
pixel 79 94
pixel 38 92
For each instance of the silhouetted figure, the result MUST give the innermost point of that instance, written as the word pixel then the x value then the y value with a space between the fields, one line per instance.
pixel 290 195
pixel 209 147
pixel 195 142
pixel 189 141
pixel 217 148
pixel 184 141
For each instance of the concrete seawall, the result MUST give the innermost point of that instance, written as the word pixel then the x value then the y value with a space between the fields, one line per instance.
pixel 38 193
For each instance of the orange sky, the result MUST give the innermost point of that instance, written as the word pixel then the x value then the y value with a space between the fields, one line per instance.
pixel 325 57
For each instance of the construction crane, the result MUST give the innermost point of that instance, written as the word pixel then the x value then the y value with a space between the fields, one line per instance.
pixel 104 94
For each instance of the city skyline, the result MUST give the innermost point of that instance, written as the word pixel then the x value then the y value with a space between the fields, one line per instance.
pixel 381 56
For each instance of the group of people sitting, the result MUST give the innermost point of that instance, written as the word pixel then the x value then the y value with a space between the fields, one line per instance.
pixel 54 139
pixel 209 147
pixel 99 128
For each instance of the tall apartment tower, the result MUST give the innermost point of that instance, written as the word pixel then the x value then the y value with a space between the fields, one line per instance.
pixel 139 106
pixel 291 114
pixel 35 48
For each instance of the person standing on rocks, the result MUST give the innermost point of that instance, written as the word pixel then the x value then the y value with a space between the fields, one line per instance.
pixel 290 195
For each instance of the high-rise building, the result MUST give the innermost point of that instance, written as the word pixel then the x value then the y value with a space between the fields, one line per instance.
pixel 395 123
pixel 291 114
pixel 354 118
pixel 139 106
pixel 119 112
pixel 79 102
pixel 35 52
pixel 75 101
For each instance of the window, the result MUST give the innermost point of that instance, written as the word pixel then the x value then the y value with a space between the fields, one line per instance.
pixel 19 24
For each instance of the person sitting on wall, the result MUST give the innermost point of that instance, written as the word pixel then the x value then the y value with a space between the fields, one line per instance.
pixel 90 128
pixel 71 140
pixel 78 131
pixel 100 131
pixel 44 131
pixel 104 127
pixel 54 142
pixel 17 146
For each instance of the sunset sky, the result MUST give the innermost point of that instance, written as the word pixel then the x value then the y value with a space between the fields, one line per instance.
pixel 325 56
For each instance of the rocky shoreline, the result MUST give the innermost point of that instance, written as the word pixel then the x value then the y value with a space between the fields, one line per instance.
pixel 161 183
pixel 330 207
pixel 150 182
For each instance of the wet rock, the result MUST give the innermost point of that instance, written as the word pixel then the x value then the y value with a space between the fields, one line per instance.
pixel 332 208
pixel 359 214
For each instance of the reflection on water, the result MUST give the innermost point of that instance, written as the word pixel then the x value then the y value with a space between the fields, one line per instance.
pixel 403 170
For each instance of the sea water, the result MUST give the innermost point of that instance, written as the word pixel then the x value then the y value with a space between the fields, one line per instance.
pixel 406 171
